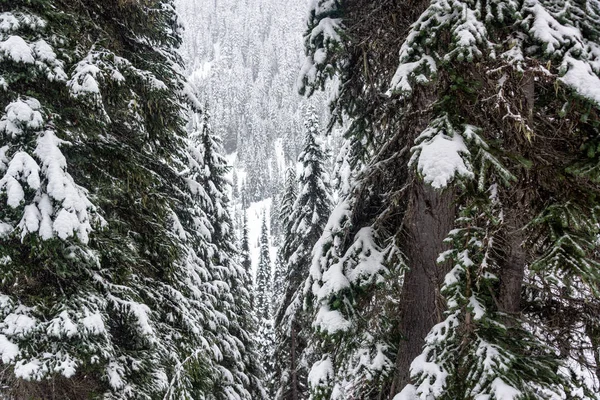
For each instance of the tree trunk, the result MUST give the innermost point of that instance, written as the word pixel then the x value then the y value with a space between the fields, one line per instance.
pixel 294 363
pixel 513 269
pixel 430 217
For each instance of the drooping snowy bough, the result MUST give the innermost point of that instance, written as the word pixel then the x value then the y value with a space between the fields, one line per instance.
pixel 477 126
pixel 119 277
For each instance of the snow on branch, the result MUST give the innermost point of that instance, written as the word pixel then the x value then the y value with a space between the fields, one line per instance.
pixel 440 154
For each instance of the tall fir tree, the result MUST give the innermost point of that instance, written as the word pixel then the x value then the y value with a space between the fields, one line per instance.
pixel 477 144
pixel 279 281
pixel 107 288
pixel 263 306
pixel 302 228
pixel 243 375
pixel 286 208
pixel 245 254
pixel 262 286
pixel 275 224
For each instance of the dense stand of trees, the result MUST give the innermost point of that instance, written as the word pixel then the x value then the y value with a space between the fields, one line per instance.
pixel 119 274
pixel 242 57
pixel 452 253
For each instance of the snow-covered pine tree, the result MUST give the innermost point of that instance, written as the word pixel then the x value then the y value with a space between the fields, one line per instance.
pixel 274 222
pixel 302 228
pixel 262 286
pixel 235 192
pixel 476 351
pixel 241 372
pixel 286 208
pixel 282 350
pixel 258 178
pixel 263 292
pixel 106 288
pixel 279 281
pixel 245 255
pixel 471 104
pixel 281 211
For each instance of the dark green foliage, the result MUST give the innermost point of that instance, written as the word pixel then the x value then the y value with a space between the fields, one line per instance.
pixel 117 264
pixel 305 207
pixel 263 288
pixel 488 94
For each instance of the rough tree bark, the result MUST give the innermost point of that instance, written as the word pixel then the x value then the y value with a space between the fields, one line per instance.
pixel 430 217
pixel 513 268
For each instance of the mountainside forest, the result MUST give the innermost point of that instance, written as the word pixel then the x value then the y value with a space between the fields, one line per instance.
pixel 309 200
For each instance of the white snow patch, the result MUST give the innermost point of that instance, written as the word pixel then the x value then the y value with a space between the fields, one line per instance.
pixel 8 350
pixel 582 79
pixel 18 325
pixel 94 324
pixel 10 22
pixel 406 71
pixel 330 321
pixel 73 218
pixel 27 371
pixel 21 114
pixel 85 77
pixel 115 374
pixel 16 49
pixel 321 373
pixel 408 393
pixel 503 391
pixel 62 326
pixel 67 367
pixel 439 157
pixel 434 386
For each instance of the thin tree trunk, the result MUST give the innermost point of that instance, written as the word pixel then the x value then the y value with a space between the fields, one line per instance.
pixel 294 363
pixel 430 217
pixel 513 269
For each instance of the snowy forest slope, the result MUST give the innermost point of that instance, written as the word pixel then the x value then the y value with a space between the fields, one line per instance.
pixel 243 58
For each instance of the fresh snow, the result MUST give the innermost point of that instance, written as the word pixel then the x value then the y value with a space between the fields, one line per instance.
pixel 85 77
pixel 10 22
pixel 22 114
pixel 408 393
pixel 580 76
pixel 330 321
pixel 502 391
pixel 94 324
pixel 321 373
pixel 17 49
pixel 17 324
pixel 8 350
pixel 440 157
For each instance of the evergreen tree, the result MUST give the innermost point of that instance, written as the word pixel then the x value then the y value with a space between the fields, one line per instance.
pixel 279 281
pixel 285 211
pixel 275 224
pixel 235 192
pixel 259 179
pixel 245 247
pixel 110 288
pixel 262 286
pixel 471 108
pixel 302 228
pixel 236 344
pixel 264 300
